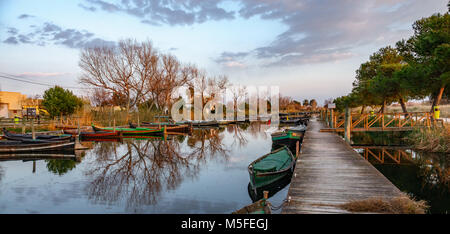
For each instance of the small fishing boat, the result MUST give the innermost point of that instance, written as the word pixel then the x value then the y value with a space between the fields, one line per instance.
pixel 170 127
pixel 271 167
pixel 286 137
pixel 290 121
pixel 273 188
pixel 130 131
pixel 156 124
pixel 34 146
pixel 259 207
pixel 204 123
pixel 19 137
pixel 74 132
pixel 225 122
pixel 101 134
pixel 297 129
pixel 145 138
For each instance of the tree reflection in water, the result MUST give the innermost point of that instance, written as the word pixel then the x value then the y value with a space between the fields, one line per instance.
pixel 60 166
pixel 426 176
pixel 137 171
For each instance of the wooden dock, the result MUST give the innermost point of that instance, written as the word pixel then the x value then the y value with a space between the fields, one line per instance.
pixel 329 173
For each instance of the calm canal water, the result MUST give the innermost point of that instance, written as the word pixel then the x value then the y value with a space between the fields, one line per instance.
pixel 424 176
pixel 202 173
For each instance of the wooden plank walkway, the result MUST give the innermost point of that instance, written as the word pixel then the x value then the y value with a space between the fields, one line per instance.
pixel 329 173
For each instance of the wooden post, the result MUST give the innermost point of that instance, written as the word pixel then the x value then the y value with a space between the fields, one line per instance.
pixel 331 120
pixel 34 166
pixel 33 133
pixel 348 123
pixel 297 149
pixel 23 126
pixel 78 130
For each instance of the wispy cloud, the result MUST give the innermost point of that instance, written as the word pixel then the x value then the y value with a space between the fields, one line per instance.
pixel 318 31
pixel 25 16
pixel 50 33
pixel 42 74
pixel 172 12
pixel 329 30
pixel 232 60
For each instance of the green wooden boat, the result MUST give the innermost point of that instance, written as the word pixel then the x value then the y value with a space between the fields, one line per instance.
pixel 271 167
pixel 286 137
pixel 131 131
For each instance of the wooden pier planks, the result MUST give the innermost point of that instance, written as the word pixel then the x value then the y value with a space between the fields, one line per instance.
pixel 329 173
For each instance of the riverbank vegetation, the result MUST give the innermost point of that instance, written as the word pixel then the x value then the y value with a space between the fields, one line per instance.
pixel 415 68
pixel 433 139
pixel 397 205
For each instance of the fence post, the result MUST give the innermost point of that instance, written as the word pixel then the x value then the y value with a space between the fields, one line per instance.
pixel 33 133
pixel 23 125
pixel 331 119
pixel 348 123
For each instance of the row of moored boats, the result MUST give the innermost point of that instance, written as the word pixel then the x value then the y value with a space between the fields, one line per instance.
pixel 277 165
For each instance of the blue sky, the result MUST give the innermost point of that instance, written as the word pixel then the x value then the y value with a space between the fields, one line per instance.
pixel 311 49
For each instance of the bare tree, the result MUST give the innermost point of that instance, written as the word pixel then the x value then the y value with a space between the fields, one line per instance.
pixel 113 69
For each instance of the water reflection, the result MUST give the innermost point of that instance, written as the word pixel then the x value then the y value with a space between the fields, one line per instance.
pixel 273 188
pixel 204 172
pixel 59 166
pixel 139 170
pixel 58 163
pixel 425 176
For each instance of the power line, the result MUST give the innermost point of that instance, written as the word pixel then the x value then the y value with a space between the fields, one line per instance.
pixel 36 83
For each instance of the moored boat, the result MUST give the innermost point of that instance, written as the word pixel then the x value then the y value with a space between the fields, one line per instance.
pixel 36 146
pixel 290 121
pixel 20 137
pixel 286 137
pixel 204 123
pixel 273 188
pixel 296 129
pixel 101 134
pixel 130 131
pixel 170 127
pixel 271 167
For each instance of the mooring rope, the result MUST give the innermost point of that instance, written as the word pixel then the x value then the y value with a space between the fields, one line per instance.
pixel 272 207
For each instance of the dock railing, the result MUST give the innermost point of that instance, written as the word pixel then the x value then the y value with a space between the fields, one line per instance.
pixel 381 121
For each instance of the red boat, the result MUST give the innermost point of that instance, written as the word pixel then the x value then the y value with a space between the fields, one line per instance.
pixel 101 134
pixel 96 134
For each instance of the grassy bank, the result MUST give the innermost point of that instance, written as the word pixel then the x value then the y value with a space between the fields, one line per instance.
pixel 430 139
pixel 396 205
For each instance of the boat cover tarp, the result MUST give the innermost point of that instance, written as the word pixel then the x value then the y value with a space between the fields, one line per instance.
pixel 273 162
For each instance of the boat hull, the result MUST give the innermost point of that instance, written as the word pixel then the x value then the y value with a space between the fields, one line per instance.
pixel 279 167
pixel 20 147
pixel 131 131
